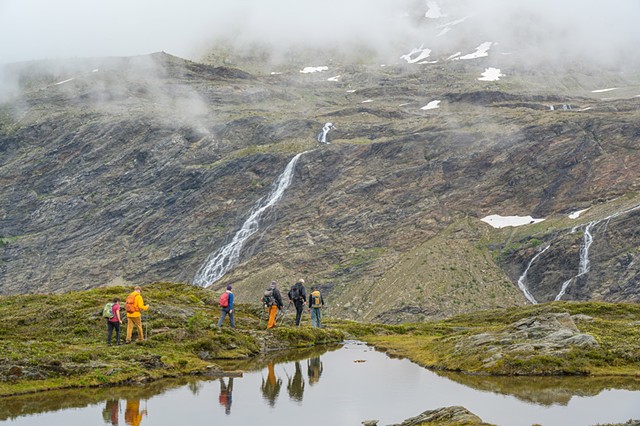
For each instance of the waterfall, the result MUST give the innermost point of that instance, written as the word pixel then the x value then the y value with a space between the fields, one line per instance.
pixel 521 280
pixel 226 257
pixel 322 136
pixel 585 265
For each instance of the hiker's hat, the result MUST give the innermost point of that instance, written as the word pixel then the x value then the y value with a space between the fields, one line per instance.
pixel 229 287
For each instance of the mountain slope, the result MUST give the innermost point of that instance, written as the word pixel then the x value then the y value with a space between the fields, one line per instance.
pixel 138 168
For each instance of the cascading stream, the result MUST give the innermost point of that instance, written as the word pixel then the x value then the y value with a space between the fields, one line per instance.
pixel 522 280
pixel 587 240
pixel 226 257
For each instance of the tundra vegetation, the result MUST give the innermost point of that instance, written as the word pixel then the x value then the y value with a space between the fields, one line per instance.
pixel 59 341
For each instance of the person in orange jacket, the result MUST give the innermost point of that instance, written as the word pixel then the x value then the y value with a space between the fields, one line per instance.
pixel 135 304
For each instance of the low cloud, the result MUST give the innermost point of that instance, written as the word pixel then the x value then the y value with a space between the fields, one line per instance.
pixel 543 29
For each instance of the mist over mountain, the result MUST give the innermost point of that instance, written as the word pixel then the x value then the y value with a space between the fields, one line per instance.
pixel 449 120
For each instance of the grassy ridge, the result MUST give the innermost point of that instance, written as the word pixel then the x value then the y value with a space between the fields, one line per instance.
pixel 444 344
pixel 59 341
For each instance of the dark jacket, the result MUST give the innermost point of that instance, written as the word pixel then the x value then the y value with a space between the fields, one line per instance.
pixel 278 298
pixel 301 291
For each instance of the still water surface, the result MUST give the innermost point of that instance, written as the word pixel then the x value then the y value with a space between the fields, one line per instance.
pixel 343 386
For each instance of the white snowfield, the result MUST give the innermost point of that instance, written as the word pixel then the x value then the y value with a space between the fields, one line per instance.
pixel 491 74
pixel 481 51
pixel 498 221
pixel 308 70
pixel 577 214
pixel 411 58
pixel 434 11
pixel 431 105
pixel 334 78
pixel 604 90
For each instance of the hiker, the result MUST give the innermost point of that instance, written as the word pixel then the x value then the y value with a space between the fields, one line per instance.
pixel 114 322
pixel 271 387
pixel 134 304
pixel 314 370
pixel 273 301
pixel 316 303
pixel 226 395
pixel 132 414
pixel 226 307
pixel 298 295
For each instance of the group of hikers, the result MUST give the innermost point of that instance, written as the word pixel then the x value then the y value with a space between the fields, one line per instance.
pixel 271 301
pixel 134 304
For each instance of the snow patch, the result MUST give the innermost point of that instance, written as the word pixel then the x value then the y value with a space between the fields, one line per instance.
pixel 498 221
pixel 64 81
pixel 434 11
pixel 455 55
pixel 351 91
pixel 335 78
pixel 308 70
pixel 491 74
pixel 275 73
pixel 577 214
pixel 95 70
pixel 481 51
pixel 421 53
pixel 604 90
pixel 367 101
pixel 431 105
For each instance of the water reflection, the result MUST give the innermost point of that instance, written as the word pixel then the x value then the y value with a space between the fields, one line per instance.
pixel 111 412
pixel 132 414
pixel 295 384
pixel 314 370
pixel 226 394
pixel 271 386
pixel 355 381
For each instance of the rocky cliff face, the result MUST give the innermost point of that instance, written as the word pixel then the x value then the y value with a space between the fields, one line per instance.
pixel 134 170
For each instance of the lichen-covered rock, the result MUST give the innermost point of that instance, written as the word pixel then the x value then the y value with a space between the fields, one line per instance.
pixel 445 416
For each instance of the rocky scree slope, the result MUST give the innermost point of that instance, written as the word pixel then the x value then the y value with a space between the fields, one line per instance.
pixel 137 168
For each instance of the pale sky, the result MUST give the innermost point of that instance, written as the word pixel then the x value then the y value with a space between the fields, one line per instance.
pixel 46 29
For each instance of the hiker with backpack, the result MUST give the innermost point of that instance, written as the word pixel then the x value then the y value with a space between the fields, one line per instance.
pixel 298 295
pixel 226 307
pixel 111 312
pixel 316 303
pixel 272 300
pixel 134 304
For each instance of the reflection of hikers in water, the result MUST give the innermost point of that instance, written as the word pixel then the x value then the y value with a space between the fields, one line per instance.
pixel 295 384
pixel 271 387
pixel 225 397
pixel 132 413
pixel 111 411
pixel 314 369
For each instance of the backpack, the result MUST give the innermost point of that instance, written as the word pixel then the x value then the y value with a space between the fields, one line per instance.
pixel 130 304
pixel 316 299
pixel 224 300
pixel 107 311
pixel 294 293
pixel 268 298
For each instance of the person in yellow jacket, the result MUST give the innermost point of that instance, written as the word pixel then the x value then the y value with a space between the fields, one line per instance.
pixel 135 304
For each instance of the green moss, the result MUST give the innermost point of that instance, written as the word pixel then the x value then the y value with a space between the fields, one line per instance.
pixel 57 341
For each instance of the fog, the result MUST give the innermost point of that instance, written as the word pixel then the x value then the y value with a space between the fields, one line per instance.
pixel 605 32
